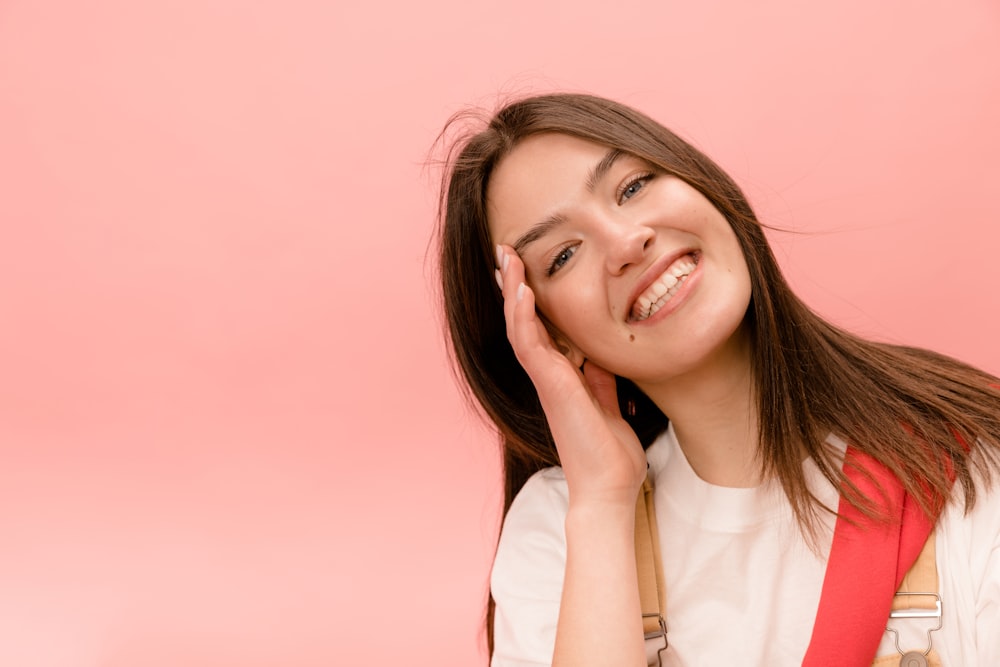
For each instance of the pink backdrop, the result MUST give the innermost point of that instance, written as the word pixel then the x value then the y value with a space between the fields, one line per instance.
pixel 228 432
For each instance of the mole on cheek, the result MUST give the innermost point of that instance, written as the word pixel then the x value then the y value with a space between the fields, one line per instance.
pixel 631 337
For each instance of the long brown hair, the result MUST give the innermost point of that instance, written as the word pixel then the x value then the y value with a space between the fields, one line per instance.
pixel 924 416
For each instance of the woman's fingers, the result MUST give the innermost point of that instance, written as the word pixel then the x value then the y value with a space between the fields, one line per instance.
pixel 565 394
pixel 525 330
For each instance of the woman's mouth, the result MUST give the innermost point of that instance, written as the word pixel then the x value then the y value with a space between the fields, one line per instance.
pixel 664 287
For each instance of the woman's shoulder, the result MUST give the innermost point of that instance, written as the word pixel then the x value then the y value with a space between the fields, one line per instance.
pixel 968 555
pixel 527 577
pixel 539 507
pixel 968 541
pixel 977 527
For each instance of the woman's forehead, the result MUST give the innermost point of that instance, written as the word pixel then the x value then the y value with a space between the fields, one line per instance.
pixel 531 181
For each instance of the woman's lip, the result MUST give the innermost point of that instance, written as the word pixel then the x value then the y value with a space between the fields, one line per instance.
pixel 676 301
pixel 651 274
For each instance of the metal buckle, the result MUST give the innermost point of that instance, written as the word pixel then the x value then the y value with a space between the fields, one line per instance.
pixel 662 633
pixel 918 613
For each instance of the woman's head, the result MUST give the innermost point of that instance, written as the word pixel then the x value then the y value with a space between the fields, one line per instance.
pixel 631 268
pixel 471 202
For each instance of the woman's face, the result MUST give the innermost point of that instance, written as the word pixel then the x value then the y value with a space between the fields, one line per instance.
pixel 633 268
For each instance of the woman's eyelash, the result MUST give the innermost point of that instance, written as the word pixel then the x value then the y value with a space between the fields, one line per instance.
pixel 559 258
pixel 631 187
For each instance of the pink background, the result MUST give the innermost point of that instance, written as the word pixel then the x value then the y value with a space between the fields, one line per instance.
pixel 228 432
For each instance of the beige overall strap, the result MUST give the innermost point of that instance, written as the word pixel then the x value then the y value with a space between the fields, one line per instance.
pixel 921 578
pixel 652 591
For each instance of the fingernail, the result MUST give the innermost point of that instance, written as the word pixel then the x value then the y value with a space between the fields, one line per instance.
pixel 520 291
pixel 499 255
pixel 506 261
pixel 496 274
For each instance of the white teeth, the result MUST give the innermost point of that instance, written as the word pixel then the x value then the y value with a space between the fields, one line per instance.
pixel 679 269
pixel 663 288
pixel 644 307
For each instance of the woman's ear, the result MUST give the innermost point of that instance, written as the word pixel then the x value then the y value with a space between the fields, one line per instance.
pixel 571 352
pixel 563 344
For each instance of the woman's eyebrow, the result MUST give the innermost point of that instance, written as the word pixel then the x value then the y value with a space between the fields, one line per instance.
pixel 538 231
pixel 599 171
pixel 602 168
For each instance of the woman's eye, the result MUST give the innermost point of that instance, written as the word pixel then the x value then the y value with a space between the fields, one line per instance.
pixel 560 258
pixel 632 187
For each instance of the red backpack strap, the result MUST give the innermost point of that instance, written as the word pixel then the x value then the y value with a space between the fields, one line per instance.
pixel 868 560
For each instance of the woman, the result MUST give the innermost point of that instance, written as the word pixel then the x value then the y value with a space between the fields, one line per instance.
pixel 616 311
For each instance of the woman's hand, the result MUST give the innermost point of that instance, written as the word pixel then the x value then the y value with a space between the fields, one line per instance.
pixel 600 622
pixel 600 454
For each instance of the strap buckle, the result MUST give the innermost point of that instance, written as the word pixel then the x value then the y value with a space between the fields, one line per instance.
pixel 917 612
pixel 662 632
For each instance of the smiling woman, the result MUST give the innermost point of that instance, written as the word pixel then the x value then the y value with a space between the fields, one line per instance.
pixel 636 333
pixel 637 255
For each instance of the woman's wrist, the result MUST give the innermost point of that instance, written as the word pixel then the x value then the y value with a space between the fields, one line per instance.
pixel 605 509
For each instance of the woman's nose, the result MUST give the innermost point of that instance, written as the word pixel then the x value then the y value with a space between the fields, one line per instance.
pixel 627 244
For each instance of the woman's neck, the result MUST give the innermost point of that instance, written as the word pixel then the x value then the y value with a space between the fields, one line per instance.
pixel 714 415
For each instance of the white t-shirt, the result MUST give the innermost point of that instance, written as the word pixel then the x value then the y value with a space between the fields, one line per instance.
pixel 742 585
